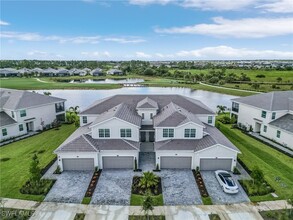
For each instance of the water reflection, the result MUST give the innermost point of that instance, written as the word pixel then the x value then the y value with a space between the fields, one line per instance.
pixel 84 98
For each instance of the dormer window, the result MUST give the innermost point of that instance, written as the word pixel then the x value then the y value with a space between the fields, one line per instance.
pixel 104 133
pixel 189 133
pixel 142 115
pixel 151 116
pixel 168 132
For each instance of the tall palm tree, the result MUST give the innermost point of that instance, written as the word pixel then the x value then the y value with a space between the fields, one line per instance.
pixel 221 108
pixel 74 109
pixel 148 180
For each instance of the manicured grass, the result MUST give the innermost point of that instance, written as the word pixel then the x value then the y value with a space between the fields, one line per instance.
pixel 273 163
pixel 143 217
pixel 137 200
pixel 79 216
pixel 32 83
pixel 15 172
pixel 86 200
pixel 284 214
pixel 206 200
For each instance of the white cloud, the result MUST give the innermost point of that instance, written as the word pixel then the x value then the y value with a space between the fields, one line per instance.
pixel 37 54
pixel 143 55
pixel 61 39
pixel 96 54
pixel 148 2
pixel 242 28
pixel 226 52
pixel 280 6
pixel 3 23
pixel 124 40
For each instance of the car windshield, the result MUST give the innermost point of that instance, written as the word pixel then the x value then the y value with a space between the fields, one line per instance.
pixel 228 179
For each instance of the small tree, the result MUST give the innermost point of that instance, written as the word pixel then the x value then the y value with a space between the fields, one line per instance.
pixel 35 170
pixel 148 180
pixel 221 109
pixel 257 175
pixel 148 205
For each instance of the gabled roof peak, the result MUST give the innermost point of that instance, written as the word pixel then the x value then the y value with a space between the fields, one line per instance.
pixel 147 103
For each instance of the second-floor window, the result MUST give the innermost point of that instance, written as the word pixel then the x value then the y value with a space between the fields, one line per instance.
pixel 151 116
pixel 22 113
pixel 278 134
pixel 84 119
pixel 190 133
pixel 104 133
pixel 210 119
pixel 273 115
pixel 265 128
pixel 12 114
pixel 59 107
pixel 4 131
pixel 235 107
pixel 125 132
pixel 20 127
pixel 142 115
pixel 168 132
pixel 263 114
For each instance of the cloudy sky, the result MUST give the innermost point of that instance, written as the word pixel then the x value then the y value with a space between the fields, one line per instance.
pixel 146 29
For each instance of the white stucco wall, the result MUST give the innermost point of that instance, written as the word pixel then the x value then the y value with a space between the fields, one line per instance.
pixel 216 151
pixel 12 131
pixel 179 132
pixel 204 118
pixel 102 154
pixel 285 139
pixel 115 125
pixel 72 155
pixel 90 118
pixel 162 153
pixel 147 120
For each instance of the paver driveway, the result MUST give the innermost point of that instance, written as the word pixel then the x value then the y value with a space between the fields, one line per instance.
pixel 70 187
pixel 216 192
pixel 179 187
pixel 113 188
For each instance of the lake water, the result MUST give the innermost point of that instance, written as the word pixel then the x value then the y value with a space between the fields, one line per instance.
pixel 84 98
pixel 109 81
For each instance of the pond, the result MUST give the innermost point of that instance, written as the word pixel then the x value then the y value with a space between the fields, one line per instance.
pixel 108 81
pixel 84 98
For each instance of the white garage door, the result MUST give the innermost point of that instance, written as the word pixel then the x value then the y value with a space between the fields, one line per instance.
pixel 78 164
pixel 215 164
pixel 175 162
pixel 122 162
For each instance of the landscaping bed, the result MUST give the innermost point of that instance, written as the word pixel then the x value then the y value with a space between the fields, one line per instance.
pixel 214 217
pixel 284 214
pixel 40 188
pixel 253 189
pixel 15 214
pixel 92 186
pixel 79 216
pixel 202 188
pixel 136 189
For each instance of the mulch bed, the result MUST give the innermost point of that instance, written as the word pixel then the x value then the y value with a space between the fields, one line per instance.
pixel 92 186
pixel 136 189
pixel 200 183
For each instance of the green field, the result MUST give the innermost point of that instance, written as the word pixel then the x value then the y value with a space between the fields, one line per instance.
pixel 15 171
pixel 272 162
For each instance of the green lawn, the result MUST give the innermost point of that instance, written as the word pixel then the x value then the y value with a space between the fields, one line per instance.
pixel 15 172
pixel 137 200
pixel 32 83
pixel 272 162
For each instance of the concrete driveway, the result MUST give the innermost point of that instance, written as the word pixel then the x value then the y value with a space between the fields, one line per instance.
pixel 179 187
pixel 113 188
pixel 216 192
pixel 70 187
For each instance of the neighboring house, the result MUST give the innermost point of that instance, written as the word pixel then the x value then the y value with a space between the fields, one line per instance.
pixel 97 72
pixel 8 72
pixel 114 72
pixel 23 111
pixel 270 114
pixel 49 72
pixel 114 130
pixel 63 72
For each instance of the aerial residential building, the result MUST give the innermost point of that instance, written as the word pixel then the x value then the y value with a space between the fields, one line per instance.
pixel 114 72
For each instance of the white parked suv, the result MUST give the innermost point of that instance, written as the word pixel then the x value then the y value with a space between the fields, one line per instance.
pixel 226 181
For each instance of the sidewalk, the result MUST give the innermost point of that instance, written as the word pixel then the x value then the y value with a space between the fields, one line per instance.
pixel 66 211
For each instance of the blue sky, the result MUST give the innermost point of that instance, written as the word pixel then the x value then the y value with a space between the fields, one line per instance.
pixel 147 29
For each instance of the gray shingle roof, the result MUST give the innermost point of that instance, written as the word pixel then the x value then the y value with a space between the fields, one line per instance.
pixel 79 144
pixel 194 106
pixel 121 111
pixel 285 122
pixel 19 99
pixel 6 119
pixel 147 103
pixel 213 136
pixel 173 115
pixel 272 101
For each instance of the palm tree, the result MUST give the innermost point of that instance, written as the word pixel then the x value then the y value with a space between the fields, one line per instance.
pixel 74 109
pixel 148 180
pixel 221 108
pixel 147 205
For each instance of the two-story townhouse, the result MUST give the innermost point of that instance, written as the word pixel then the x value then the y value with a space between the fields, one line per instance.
pixel 114 132
pixel 23 111
pixel 269 114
